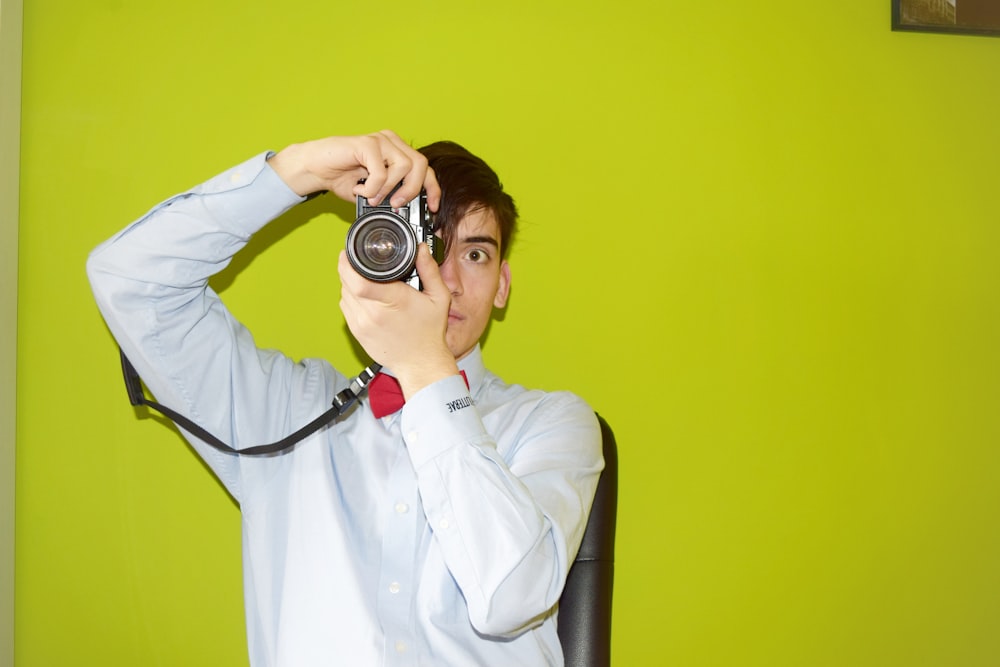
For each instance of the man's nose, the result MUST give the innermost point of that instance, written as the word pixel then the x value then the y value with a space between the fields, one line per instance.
pixel 449 274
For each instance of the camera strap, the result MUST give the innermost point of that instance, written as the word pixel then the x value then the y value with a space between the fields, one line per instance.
pixel 342 401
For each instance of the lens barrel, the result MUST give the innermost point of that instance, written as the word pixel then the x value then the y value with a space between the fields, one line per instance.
pixel 382 247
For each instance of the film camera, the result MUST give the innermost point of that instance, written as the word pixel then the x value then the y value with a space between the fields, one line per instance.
pixel 382 243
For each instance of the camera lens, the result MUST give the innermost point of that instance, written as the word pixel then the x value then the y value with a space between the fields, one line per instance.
pixel 382 247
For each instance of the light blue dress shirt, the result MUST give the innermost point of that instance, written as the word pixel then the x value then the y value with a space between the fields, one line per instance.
pixel 435 536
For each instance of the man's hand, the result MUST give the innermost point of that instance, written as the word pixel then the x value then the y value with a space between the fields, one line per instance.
pixel 399 327
pixel 338 163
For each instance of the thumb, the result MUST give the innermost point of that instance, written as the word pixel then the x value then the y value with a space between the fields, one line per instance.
pixel 430 274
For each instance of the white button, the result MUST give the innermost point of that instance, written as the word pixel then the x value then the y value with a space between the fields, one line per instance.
pixel 400 647
pixel 412 436
pixel 394 587
pixel 445 524
pixel 402 508
pixel 236 177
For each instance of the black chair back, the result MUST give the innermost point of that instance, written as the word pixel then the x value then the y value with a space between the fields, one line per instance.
pixel 585 605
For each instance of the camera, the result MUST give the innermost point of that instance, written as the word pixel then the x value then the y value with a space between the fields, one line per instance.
pixel 382 243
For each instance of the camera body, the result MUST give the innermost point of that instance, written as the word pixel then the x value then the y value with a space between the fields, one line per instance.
pixel 382 243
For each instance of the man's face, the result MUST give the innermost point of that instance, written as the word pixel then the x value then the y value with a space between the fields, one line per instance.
pixel 477 279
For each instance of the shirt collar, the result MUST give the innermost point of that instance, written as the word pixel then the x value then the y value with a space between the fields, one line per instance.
pixel 471 364
pixel 475 371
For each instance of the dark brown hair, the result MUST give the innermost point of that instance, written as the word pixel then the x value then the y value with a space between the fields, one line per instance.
pixel 467 184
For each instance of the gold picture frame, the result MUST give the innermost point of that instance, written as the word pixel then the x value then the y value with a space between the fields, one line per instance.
pixel 973 17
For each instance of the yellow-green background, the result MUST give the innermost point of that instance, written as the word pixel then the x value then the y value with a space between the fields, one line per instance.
pixel 760 238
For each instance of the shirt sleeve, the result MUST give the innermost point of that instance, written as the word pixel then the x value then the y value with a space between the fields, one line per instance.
pixel 509 525
pixel 151 285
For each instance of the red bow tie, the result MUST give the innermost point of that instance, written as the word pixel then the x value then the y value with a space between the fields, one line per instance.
pixel 385 396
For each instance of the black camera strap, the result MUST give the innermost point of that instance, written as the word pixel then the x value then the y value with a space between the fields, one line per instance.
pixel 342 401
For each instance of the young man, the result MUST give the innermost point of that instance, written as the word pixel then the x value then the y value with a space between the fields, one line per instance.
pixel 439 534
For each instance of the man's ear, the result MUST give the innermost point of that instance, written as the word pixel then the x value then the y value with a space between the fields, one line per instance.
pixel 503 289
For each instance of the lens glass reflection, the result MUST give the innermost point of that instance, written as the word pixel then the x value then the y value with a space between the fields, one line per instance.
pixel 382 247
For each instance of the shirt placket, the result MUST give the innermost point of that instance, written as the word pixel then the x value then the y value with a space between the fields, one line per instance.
pixel 397 578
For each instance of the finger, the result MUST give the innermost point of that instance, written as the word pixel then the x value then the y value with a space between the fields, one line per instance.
pixel 389 160
pixel 364 292
pixel 352 283
pixel 430 275
pixel 433 190
pixel 395 164
pixel 402 162
pixel 410 170
pixel 369 155
pixel 419 176
pixel 346 272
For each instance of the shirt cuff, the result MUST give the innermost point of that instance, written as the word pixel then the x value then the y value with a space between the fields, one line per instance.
pixel 441 416
pixel 263 196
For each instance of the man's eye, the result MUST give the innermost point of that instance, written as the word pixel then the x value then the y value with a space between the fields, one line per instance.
pixel 477 255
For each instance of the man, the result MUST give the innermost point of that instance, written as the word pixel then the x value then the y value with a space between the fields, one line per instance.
pixel 440 534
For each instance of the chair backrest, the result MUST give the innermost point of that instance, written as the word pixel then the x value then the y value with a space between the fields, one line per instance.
pixel 585 606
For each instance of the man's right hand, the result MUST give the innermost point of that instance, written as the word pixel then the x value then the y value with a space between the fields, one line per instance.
pixel 337 164
pixel 399 327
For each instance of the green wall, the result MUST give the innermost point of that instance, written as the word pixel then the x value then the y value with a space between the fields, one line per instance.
pixel 761 239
